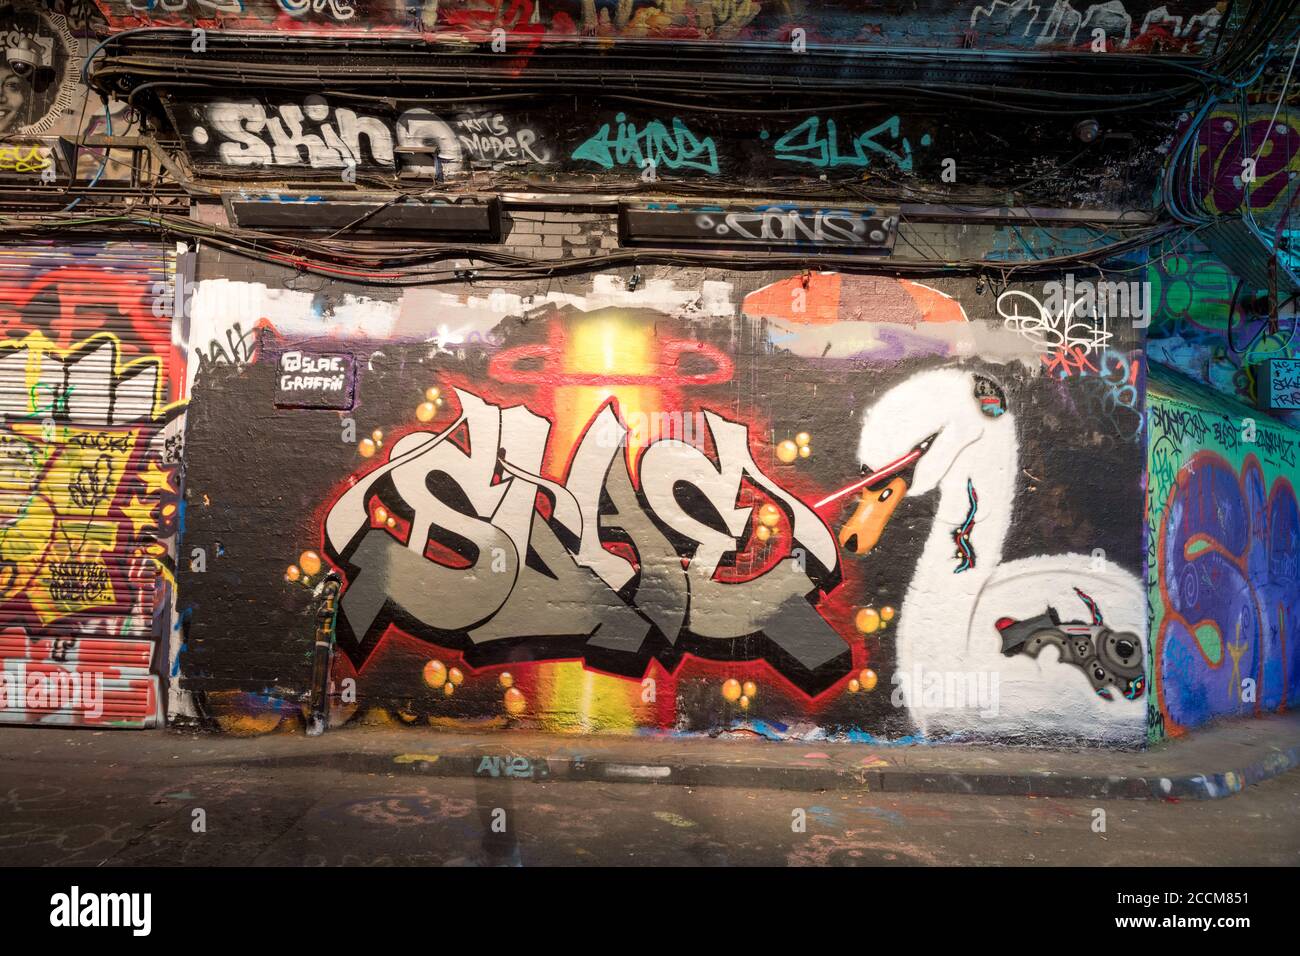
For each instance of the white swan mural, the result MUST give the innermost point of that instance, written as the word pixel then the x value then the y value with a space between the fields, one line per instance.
pixel 952 430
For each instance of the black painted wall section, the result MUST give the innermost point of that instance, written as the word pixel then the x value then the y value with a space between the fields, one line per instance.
pixel 261 481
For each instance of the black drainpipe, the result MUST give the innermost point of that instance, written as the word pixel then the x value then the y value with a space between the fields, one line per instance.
pixel 323 658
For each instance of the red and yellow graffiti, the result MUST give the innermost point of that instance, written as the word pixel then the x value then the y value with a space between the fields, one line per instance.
pixel 74 488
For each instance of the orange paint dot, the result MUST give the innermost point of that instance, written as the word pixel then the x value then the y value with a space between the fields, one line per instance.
pixel 432 394
pixel 731 690
pixel 887 613
pixel 805 451
pixel 769 515
pixel 868 679
pixel 515 702
pixel 762 532
pixel 378 436
pixel 426 411
pixel 787 451
pixel 366 448
pixel 506 679
pixel 293 573
pixel 448 689
pixel 854 686
pixel 803 439
pixel 435 674
pixel 455 676
pixel 750 688
pixel 744 703
pixel 867 620
pixel 381 514
pixel 309 561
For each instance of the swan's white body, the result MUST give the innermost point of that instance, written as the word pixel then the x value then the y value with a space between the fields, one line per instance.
pixel 947 622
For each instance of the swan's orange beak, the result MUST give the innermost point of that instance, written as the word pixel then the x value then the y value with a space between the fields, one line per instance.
pixel 861 532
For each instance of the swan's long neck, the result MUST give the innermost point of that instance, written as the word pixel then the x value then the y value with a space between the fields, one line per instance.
pixel 989 467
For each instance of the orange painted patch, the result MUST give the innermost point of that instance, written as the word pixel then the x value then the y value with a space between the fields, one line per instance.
pixel 934 306
pixel 821 299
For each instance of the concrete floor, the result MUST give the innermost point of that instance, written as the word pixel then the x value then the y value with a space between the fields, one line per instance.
pixel 122 815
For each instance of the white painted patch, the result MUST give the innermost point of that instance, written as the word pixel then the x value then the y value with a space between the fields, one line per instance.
pixel 221 308
pixel 637 770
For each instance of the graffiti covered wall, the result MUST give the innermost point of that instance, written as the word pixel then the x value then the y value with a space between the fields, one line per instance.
pixel 690 502
pixel 90 395
pixel 1184 26
pixel 1271 138
pixel 1202 328
pixel 1224 561
pixel 1203 324
pixel 603 139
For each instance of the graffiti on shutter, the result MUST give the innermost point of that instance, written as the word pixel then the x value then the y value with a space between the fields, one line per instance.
pixel 89 457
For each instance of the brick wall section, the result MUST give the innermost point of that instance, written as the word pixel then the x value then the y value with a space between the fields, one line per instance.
pixel 559 235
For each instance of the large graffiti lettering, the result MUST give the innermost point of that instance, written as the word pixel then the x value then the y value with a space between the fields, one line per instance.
pixel 1229 588
pixel 1059 23
pixel 653 144
pixel 784 224
pixel 319 135
pixel 474 554
pixel 337 141
pixel 635 507
pixel 1223 144
pixel 807 143
pixel 1223 572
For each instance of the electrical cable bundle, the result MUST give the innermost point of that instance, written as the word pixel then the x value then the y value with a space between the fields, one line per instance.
pixel 146 61
pixel 390 264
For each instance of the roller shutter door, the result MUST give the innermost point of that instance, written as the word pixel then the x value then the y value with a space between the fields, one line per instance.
pixel 89 393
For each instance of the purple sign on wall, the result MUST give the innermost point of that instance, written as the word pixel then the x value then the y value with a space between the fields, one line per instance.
pixel 314 380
